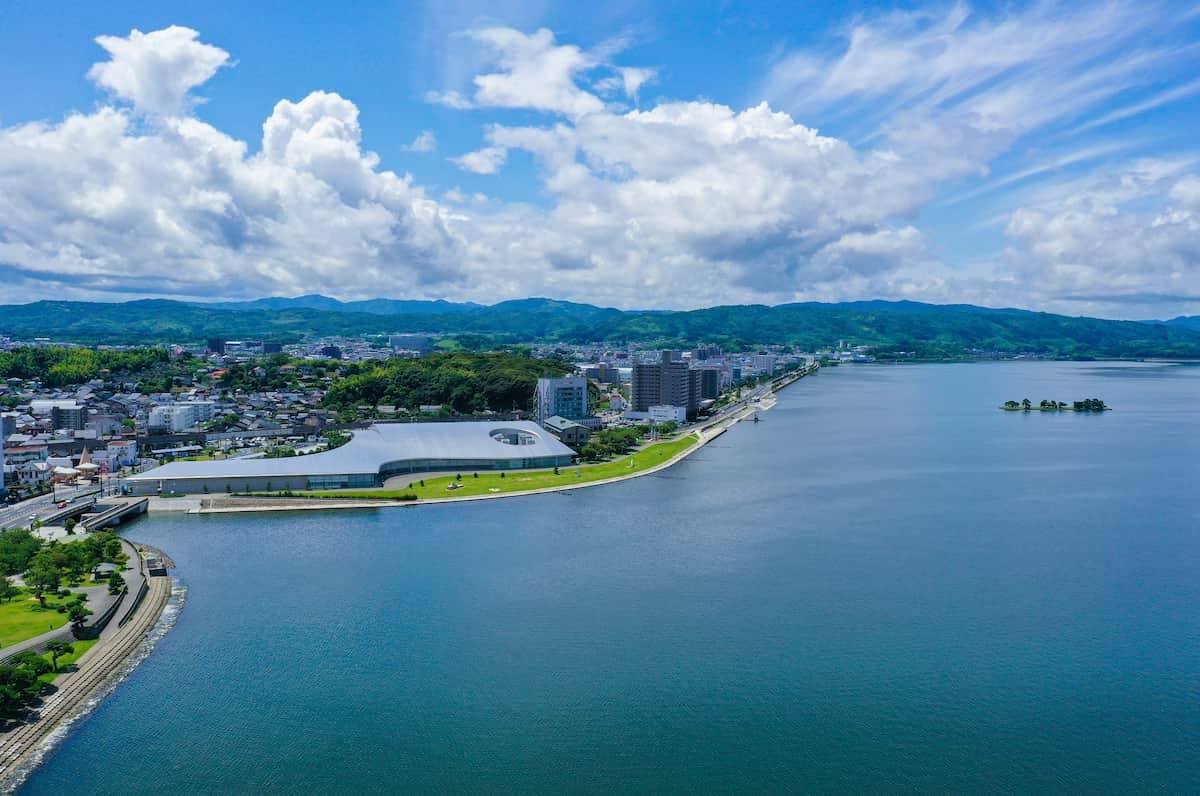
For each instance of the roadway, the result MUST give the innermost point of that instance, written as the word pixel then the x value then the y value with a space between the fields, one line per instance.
pixel 17 515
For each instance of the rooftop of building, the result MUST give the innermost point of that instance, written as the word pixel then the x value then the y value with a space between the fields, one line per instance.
pixel 371 448
pixel 558 423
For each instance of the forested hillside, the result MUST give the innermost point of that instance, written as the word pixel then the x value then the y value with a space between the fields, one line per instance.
pixel 923 330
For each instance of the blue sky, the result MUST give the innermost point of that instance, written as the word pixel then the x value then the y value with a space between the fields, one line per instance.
pixel 1039 155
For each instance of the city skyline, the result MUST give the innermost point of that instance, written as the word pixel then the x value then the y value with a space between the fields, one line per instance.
pixel 1034 156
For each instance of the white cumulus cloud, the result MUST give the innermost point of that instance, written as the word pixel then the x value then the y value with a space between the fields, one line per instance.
pixel 95 204
pixel 156 70
pixel 681 204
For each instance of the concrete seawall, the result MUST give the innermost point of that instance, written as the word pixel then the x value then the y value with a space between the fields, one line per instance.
pixel 22 744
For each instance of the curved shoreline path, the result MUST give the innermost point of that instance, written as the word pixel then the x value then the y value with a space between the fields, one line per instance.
pixel 93 670
pixel 761 399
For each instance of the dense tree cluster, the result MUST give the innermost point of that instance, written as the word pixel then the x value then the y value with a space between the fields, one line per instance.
pixel 47 567
pixel 466 382
pixel 61 366
pixel 20 683
pixel 17 548
pixel 56 562
pixel 612 442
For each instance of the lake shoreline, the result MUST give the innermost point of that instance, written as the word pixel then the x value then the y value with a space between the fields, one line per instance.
pixel 704 435
pixel 23 747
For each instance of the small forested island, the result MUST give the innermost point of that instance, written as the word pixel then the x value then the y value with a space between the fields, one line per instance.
pixel 1086 405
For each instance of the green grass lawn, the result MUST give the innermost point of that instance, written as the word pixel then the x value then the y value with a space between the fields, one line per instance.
pixel 490 483
pixel 22 618
pixel 81 646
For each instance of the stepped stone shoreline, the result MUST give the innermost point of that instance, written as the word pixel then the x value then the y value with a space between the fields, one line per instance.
pixel 20 745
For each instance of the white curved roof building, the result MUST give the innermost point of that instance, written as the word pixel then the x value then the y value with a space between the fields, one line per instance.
pixel 372 456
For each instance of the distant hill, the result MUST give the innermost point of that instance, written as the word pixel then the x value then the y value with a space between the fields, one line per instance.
pixel 895 329
pixel 1185 322
pixel 372 306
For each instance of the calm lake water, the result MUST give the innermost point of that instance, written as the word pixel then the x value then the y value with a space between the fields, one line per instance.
pixel 886 585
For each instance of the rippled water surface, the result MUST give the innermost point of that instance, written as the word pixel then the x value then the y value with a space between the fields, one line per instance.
pixel 887 584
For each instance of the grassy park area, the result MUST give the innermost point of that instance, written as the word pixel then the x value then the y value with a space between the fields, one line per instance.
pixel 22 617
pixel 524 480
pixel 81 646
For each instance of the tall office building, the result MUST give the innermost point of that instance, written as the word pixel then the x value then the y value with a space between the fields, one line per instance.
pixel 709 382
pixel 565 397
pixel 667 382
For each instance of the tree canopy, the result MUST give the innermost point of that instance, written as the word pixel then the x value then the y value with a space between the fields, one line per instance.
pixel 466 382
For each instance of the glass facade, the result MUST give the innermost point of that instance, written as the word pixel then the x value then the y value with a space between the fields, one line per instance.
pixel 455 465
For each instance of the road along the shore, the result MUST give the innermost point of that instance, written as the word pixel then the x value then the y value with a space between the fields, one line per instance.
pixel 75 688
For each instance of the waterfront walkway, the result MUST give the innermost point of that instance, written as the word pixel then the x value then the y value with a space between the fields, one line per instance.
pixel 101 604
pixel 74 688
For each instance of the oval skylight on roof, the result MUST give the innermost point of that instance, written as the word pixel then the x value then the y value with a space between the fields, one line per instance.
pixel 513 436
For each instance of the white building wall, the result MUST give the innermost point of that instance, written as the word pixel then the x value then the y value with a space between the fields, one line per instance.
pixel 664 413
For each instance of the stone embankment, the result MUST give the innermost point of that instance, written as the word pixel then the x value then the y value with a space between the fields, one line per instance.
pixel 93 670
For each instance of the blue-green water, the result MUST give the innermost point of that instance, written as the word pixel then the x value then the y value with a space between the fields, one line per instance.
pixel 886 585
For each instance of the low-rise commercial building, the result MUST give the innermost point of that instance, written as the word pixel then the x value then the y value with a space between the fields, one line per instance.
pixel 124 453
pixel 180 416
pixel 667 413
pixel 568 431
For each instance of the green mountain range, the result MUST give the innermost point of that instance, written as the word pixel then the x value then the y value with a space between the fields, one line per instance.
pixel 894 328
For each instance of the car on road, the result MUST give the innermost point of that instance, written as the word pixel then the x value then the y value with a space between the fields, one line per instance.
pixel 62 504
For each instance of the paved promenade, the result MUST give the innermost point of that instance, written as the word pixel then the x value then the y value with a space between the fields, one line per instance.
pixel 74 688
